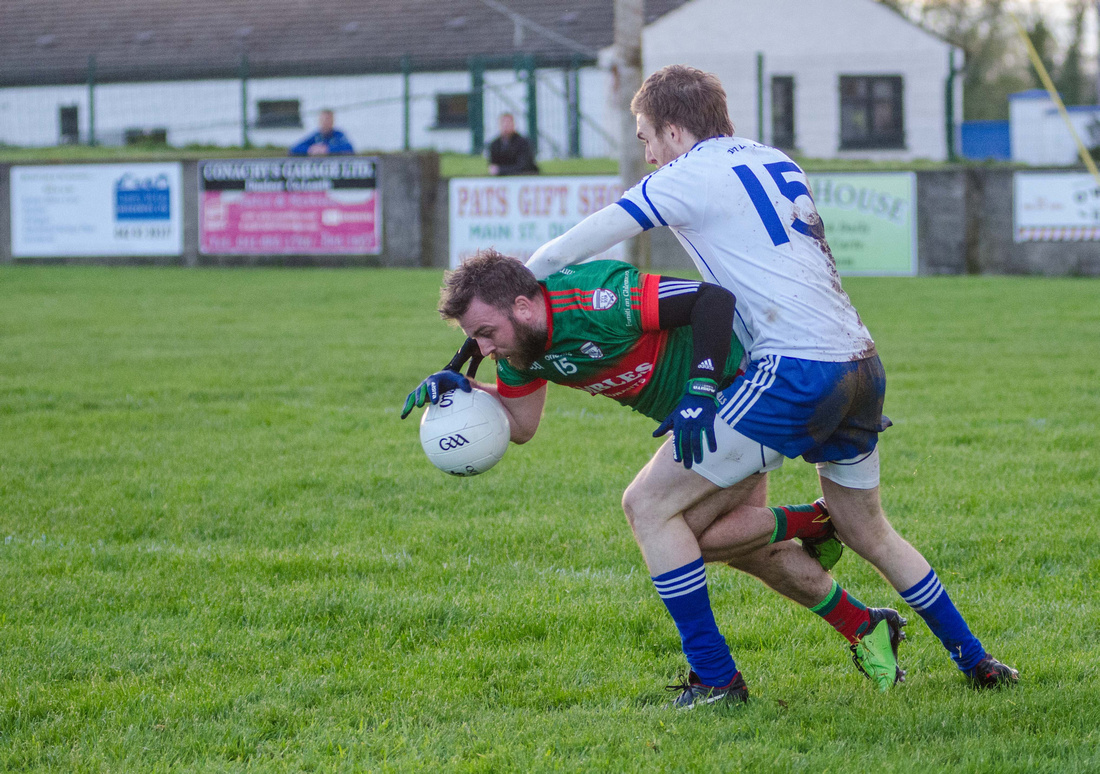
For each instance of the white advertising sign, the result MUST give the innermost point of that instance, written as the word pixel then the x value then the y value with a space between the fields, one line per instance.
pixel 517 215
pixel 1056 207
pixel 95 210
pixel 870 221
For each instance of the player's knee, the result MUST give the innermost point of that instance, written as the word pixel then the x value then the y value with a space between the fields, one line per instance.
pixel 638 507
pixel 631 504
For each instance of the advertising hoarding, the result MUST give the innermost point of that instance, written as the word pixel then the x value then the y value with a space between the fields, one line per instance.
pixel 1055 207
pixel 870 219
pixel 96 210
pixel 293 206
pixel 517 215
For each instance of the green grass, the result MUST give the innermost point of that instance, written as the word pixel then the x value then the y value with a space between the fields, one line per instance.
pixel 220 550
pixel 450 164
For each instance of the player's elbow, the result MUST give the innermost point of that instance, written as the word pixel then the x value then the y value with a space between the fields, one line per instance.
pixel 522 433
pixel 549 258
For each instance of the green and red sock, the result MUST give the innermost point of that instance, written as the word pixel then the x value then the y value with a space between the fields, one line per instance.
pixel 844 613
pixel 799 521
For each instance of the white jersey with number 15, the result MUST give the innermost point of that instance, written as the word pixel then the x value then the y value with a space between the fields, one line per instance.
pixel 745 215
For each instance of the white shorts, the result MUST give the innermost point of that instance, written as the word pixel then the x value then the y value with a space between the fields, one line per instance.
pixel 857 473
pixel 739 457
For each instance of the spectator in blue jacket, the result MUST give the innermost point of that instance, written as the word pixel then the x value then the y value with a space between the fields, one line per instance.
pixel 326 141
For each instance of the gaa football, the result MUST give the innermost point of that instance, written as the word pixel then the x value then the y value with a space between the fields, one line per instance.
pixel 466 433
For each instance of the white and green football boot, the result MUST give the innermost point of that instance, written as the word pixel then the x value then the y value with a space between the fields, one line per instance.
pixel 876 653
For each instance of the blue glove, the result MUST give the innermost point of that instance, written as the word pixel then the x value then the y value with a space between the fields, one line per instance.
pixel 691 420
pixel 435 385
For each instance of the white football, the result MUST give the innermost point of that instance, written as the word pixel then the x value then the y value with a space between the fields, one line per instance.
pixel 466 433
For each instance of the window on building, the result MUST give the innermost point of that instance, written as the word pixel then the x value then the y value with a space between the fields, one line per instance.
pixel 871 115
pixel 278 114
pixel 783 111
pixel 142 136
pixel 452 111
pixel 68 120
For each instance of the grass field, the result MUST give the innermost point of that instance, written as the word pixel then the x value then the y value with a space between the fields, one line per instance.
pixel 220 550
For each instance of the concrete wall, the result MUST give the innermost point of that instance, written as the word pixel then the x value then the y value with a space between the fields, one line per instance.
pixel 408 184
pixel 964 225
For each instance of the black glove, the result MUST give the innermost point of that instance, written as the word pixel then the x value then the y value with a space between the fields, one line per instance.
pixel 468 351
pixel 446 380
pixel 691 420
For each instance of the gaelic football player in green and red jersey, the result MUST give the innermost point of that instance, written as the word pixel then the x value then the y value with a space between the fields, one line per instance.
pixel 664 347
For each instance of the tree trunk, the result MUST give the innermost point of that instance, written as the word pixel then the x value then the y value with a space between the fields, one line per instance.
pixel 626 73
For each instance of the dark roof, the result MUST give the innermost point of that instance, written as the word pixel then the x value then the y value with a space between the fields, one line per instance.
pixel 50 43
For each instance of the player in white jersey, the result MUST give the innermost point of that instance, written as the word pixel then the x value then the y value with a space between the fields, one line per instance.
pixel 789 298
pixel 814 386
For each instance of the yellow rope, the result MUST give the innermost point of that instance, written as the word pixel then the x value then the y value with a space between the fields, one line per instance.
pixel 1044 76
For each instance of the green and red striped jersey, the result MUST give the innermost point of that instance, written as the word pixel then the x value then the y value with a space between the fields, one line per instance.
pixel 602 320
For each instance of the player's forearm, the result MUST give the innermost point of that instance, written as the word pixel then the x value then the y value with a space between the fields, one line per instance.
pixel 709 310
pixel 712 331
pixel 598 232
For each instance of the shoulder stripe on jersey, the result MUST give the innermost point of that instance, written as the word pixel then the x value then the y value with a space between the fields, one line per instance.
pixel 567 292
pixel 571 307
pixel 650 203
pixel 678 292
pixel 669 289
pixel 634 211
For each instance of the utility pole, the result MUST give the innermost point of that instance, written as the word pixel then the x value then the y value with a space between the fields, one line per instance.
pixel 1097 4
pixel 626 75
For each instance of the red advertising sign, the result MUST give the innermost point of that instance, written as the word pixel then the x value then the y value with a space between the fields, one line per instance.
pixel 289 207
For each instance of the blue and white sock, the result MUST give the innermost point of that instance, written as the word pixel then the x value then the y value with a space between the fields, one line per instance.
pixel 929 598
pixel 684 592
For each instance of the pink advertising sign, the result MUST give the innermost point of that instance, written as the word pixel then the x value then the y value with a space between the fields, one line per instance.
pixel 290 207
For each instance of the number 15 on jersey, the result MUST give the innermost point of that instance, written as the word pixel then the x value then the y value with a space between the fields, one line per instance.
pixel 791 189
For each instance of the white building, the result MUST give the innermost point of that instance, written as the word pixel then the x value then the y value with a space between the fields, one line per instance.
pixel 1039 134
pixel 836 79
pixel 845 78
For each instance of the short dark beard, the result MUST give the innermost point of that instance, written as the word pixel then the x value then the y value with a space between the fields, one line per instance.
pixel 530 344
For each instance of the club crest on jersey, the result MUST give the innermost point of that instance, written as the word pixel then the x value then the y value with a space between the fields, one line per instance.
pixel 592 350
pixel 603 299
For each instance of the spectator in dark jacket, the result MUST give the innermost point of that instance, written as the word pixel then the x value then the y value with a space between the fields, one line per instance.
pixel 326 141
pixel 510 154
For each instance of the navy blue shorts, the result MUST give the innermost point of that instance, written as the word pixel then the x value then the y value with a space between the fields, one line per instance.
pixel 820 411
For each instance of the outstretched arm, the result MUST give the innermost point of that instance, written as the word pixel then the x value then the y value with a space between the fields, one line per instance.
pixel 596 233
